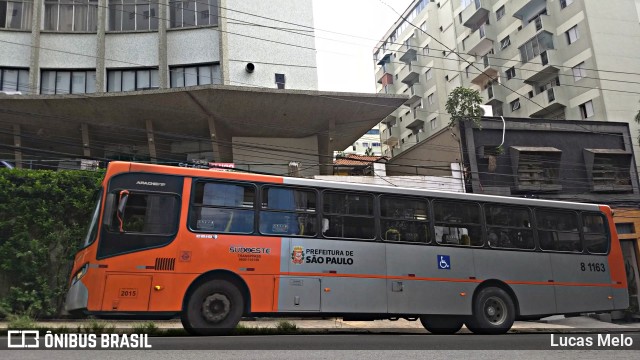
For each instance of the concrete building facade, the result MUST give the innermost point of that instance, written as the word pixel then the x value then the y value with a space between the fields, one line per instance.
pixel 95 46
pixel 554 59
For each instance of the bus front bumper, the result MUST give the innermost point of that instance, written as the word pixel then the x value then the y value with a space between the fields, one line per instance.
pixel 77 298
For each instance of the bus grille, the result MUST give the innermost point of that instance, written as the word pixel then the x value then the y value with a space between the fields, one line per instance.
pixel 165 264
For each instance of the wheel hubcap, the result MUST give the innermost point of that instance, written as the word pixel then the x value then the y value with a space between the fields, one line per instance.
pixel 495 310
pixel 216 307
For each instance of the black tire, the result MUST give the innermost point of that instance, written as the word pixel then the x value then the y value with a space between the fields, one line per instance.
pixel 214 308
pixel 441 324
pixel 493 312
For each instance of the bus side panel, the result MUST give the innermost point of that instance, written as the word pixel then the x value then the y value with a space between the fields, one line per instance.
pixel 527 273
pixel 582 283
pixel 418 285
pixel 352 275
pixel 171 293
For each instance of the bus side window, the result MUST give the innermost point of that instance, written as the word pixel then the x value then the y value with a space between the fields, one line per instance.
pixel 558 230
pixel 596 237
pixel 457 223
pixel 223 207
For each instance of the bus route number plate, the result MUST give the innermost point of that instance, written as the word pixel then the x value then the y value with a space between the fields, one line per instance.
pixel 128 293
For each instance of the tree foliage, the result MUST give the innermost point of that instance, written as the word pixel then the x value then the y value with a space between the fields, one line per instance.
pixel 43 218
pixel 463 104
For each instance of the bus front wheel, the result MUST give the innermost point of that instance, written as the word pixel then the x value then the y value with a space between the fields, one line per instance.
pixel 441 324
pixel 493 312
pixel 214 308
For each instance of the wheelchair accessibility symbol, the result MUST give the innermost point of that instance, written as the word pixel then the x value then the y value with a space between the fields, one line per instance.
pixel 444 262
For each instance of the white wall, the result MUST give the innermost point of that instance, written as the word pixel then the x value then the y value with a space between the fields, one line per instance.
pixel 246 43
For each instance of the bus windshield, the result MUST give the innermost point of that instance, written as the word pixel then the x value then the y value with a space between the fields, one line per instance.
pixel 92 231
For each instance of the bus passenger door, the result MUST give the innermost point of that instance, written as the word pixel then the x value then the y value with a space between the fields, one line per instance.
pixel 126 293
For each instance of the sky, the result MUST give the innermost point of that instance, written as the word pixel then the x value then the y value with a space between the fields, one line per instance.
pixel 345 62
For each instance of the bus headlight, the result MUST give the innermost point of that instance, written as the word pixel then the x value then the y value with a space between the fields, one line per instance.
pixel 80 273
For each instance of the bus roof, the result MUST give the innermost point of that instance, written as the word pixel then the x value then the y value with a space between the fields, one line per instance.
pixel 326 184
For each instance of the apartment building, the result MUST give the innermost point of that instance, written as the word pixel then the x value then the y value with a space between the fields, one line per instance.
pixel 54 47
pixel 554 59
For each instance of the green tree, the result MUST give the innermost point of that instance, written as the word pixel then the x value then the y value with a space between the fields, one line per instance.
pixel 43 218
pixel 368 152
pixel 463 104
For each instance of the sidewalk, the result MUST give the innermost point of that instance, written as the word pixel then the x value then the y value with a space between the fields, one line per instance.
pixel 550 324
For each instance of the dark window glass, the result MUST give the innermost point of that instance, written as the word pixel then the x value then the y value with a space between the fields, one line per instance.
pixel 596 236
pixel 348 215
pixel 288 212
pixel 558 230
pixel 457 223
pixel 223 208
pixel 509 227
pixel 149 220
pixel 404 219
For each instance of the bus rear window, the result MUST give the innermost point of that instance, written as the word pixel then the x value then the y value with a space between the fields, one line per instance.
pixel 596 237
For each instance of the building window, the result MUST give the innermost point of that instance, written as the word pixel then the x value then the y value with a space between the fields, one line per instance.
pixel 65 15
pixel 16 14
pixel 373 132
pixel 586 109
pixel 579 71
pixel 565 3
pixel 572 35
pixel 68 82
pixel 425 51
pixel 536 46
pixel 195 75
pixel 375 144
pixel 433 124
pixel 14 80
pixel 428 74
pixel 126 15
pixel 504 43
pixel 280 81
pixel 423 27
pixel 132 79
pixel 466 3
pixel 430 99
pixel 193 13
pixel 511 73
pixel 515 105
pixel 625 228
pixel 500 13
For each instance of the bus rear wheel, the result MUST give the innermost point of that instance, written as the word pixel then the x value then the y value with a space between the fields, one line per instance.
pixel 493 312
pixel 441 324
pixel 214 308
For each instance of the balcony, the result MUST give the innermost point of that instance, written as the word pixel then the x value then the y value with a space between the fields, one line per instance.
pixel 475 14
pixel 409 50
pixel 480 41
pixel 490 71
pixel 494 94
pixel 389 120
pixel 390 136
pixel 550 101
pixel 418 120
pixel 385 69
pixel 410 74
pixel 529 8
pixel 540 23
pixel 416 91
pixel 540 67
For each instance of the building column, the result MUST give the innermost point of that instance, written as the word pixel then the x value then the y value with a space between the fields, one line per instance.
pixel 151 141
pixel 101 71
pixel 325 149
pixel 86 150
pixel 163 68
pixel 17 143
pixel 34 65
pixel 224 47
pixel 221 141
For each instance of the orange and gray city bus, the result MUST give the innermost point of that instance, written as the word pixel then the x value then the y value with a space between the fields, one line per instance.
pixel 214 246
